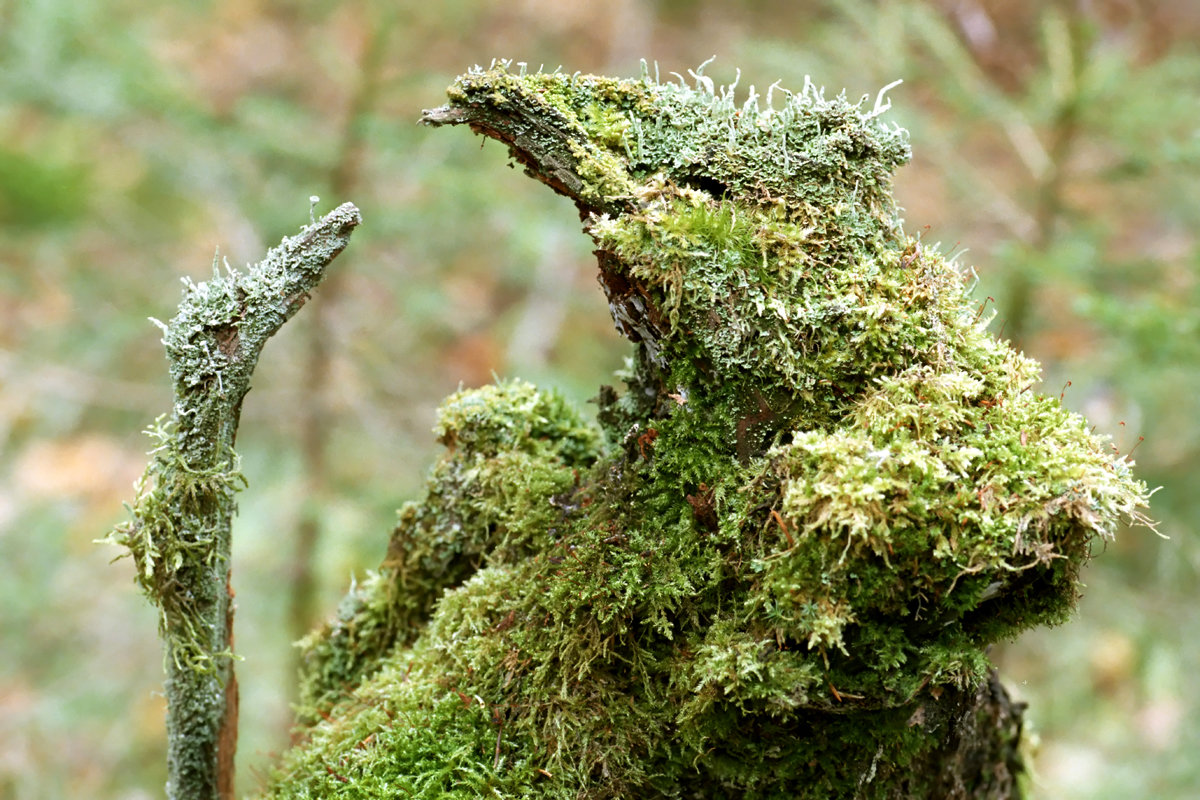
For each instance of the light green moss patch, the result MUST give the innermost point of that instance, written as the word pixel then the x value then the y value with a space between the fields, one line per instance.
pixel 513 460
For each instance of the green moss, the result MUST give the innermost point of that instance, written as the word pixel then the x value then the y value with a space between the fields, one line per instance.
pixel 513 462
pixel 176 530
pixel 825 490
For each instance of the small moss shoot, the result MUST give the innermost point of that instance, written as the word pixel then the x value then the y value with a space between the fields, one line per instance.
pixel 176 526
pixel 823 492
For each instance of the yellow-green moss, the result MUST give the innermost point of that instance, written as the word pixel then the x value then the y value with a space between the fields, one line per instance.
pixel 824 492
pixel 513 460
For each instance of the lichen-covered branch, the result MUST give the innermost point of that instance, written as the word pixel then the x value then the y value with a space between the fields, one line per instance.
pixel 179 533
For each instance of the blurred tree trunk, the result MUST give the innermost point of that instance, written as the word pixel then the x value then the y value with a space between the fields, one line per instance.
pixel 315 410
pixel 1067 42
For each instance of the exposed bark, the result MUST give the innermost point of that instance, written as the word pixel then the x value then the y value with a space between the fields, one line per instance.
pixel 535 141
pixel 981 756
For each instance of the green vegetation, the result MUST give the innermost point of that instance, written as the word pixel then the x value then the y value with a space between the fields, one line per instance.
pixel 1057 141
pixel 824 492
pixel 178 523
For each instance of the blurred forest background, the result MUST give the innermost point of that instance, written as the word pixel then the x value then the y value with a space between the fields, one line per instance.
pixel 1059 142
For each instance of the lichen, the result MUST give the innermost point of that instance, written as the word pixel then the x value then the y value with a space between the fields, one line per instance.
pixel 180 527
pixel 825 490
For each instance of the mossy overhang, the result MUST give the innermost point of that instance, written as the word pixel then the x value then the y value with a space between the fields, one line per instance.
pixel 707 609
pixel 598 139
pixel 783 198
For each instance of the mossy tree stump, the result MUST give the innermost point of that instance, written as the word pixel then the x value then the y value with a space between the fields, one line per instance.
pixel 823 492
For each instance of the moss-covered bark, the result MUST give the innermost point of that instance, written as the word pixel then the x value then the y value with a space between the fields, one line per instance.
pixel 179 534
pixel 823 492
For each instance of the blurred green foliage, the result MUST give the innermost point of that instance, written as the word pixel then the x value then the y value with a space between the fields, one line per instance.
pixel 1060 142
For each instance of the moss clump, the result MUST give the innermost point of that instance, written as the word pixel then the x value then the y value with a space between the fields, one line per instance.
pixel 823 493
pixel 513 460
pixel 176 530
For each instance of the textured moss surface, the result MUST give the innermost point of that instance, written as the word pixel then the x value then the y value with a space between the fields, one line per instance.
pixel 823 492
